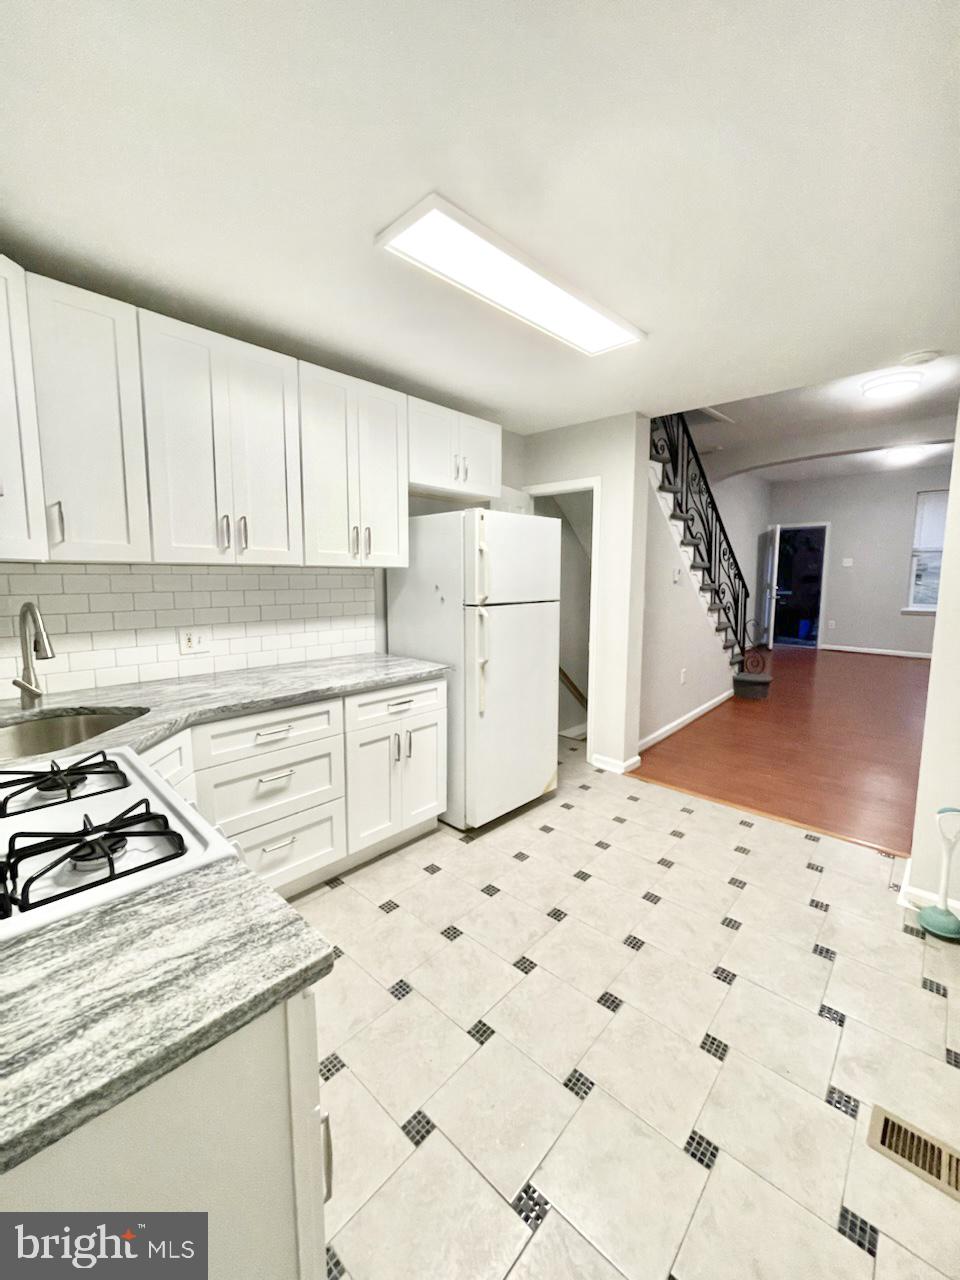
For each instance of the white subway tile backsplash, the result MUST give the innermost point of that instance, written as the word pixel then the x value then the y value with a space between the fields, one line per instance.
pixel 117 624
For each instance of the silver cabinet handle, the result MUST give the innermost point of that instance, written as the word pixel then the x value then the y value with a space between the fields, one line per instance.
pixel 355 541
pixel 405 702
pixel 396 748
pixel 243 533
pixel 456 466
pixel 225 530
pixel 277 777
pixel 58 507
pixel 409 743
pixel 367 541
pixel 327 1157
pixel 283 729
pixel 466 467
pixel 281 844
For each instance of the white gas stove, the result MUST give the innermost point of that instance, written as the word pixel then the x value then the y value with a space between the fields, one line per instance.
pixel 86 829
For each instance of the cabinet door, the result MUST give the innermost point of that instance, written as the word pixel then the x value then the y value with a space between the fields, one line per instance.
pixel 331 488
pixel 374 770
pixel 480 456
pixel 424 746
pixel 265 455
pixel 434 445
pixel 188 442
pixel 86 367
pixel 382 450
pixel 22 532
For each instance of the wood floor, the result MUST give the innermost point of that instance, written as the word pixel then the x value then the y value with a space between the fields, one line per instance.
pixel 835 747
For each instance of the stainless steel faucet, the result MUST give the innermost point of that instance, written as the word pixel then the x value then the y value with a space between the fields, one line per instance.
pixel 30 694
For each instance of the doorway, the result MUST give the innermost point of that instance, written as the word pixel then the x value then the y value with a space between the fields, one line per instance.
pixel 791 590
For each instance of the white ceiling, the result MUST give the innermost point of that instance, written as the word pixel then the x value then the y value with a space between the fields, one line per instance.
pixel 850 464
pixel 772 191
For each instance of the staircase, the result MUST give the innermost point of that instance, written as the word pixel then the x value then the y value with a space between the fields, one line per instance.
pixel 689 502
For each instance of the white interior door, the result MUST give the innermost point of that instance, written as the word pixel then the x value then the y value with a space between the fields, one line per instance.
pixel 434 445
pixel 382 448
pixel 768 555
pixel 510 558
pixel 511 663
pixel 424 767
pixel 331 483
pixel 265 443
pixel 374 780
pixel 86 363
pixel 480 456
pixel 188 442
pixel 22 532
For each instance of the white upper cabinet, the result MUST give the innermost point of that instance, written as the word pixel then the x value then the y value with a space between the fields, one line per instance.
pixel 22 532
pixel 223 447
pixel 87 372
pixel 354 448
pixel 453 452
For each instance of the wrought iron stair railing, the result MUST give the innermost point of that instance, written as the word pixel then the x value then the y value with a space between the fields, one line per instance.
pixel 695 508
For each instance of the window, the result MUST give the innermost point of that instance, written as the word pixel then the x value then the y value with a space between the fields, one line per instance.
pixel 927 549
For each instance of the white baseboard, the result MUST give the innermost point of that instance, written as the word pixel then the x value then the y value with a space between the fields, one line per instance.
pixel 886 653
pixel 917 898
pixel 614 766
pixel 665 732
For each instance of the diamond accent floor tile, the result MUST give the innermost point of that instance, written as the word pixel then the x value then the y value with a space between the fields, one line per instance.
pixel 740 848
pixel 862 1233
pixel 400 990
pixel 452 933
pixel 388 906
pixel 725 975
pixel 716 1048
pixel 832 1015
pixel 665 862
pixel 490 890
pixel 521 856
pixel 525 964
pixel 744 822
pixel 652 897
pixel 826 953
pixel 602 844
pixel 578 1084
pixel 335 1268
pixel 556 914
pixel 737 884
pixel 337 953
pixel 953 1057
pixel 813 839
pixel 546 830
pixel 480 1032
pixel 531 1205
pixel 937 988
pixel 335 883
pixel 581 875
pixel 431 869
pixel 913 931
pixel 418 1127
pixel 610 1001
pixel 728 922
pixel 844 1102
pixel 702 1149
pixel 633 942
pixel 331 1065
pixel 818 905
pixel 678 835
pixel 815 866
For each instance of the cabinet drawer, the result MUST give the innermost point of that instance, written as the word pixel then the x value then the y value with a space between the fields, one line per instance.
pixel 248 793
pixel 380 706
pixel 171 759
pixel 290 848
pixel 254 735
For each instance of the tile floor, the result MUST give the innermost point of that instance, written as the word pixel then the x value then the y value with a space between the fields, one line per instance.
pixel 615 1037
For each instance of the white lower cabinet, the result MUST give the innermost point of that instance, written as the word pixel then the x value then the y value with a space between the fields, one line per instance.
pixel 291 848
pixel 424 790
pixel 396 777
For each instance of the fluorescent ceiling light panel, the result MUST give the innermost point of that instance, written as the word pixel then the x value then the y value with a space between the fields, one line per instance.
pixel 907 455
pixel 449 243
pixel 887 388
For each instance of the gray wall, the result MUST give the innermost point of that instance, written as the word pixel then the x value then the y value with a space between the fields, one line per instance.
pixel 871 521
pixel 574 607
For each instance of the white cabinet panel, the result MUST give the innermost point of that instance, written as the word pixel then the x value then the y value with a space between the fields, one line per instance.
pixel 424 767
pixel 374 806
pixel 249 793
pixel 86 365
pixel 22 530
pixel 172 759
pixel 382 450
pixel 331 484
pixel 188 442
pixel 381 706
pixel 434 445
pixel 265 447
pixel 244 737
pixel 286 850
pixel 481 445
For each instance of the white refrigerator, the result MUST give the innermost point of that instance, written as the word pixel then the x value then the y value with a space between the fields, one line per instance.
pixel 482 594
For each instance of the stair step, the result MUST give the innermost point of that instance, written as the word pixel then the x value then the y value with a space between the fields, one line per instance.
pixel 722 626
pixel 689 542
pixel 707 585
pixel 729 644
pixel 715 608
pixel 736 661
pixel 699 564
pixel 684 516
pixel 664 487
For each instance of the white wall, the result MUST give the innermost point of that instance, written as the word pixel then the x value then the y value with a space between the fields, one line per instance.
pixel 939 783
pixel 116 624
pixel 744 505
pixel 678 635
pixel 574 610
pixel 616 451
pixel 871 520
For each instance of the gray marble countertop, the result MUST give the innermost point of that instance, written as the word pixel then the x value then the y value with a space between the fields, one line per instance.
pixel 172 705
pixel 102 1003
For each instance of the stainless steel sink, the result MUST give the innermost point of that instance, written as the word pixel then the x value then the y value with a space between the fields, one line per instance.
pixel 53 733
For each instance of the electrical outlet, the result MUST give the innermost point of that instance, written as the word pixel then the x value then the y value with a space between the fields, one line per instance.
pixel 847 562
pixel 683 675
pixel 831 624
pixel 193 640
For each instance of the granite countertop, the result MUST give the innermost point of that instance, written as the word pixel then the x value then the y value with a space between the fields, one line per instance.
pixel 102 1003
pixel 172 705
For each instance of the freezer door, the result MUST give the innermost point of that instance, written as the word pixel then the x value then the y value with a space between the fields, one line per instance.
pixel 510 558
pixel 512 655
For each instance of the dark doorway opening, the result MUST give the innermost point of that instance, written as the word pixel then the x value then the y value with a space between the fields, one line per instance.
pixel 799 585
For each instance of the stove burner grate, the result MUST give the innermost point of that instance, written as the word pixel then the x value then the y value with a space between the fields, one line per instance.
pixel 94 775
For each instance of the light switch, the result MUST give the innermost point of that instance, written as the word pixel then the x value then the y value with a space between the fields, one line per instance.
pixel 847 562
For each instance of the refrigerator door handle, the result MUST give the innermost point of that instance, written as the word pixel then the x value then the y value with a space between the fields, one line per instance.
pixel 483 572
pixel 482 659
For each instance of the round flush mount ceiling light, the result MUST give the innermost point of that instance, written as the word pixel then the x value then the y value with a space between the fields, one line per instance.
pixel 887 388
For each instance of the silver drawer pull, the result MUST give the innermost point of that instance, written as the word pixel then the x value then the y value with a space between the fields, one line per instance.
pixel 407 702
pixel 277 777
pixel 274 733
pixel 367 541
pixel 327 1157
pixel 409 743
pixel 355 541
pixel 396 747
pixel 281 844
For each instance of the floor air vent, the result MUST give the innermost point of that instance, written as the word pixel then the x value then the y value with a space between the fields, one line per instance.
pixel 915 1150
